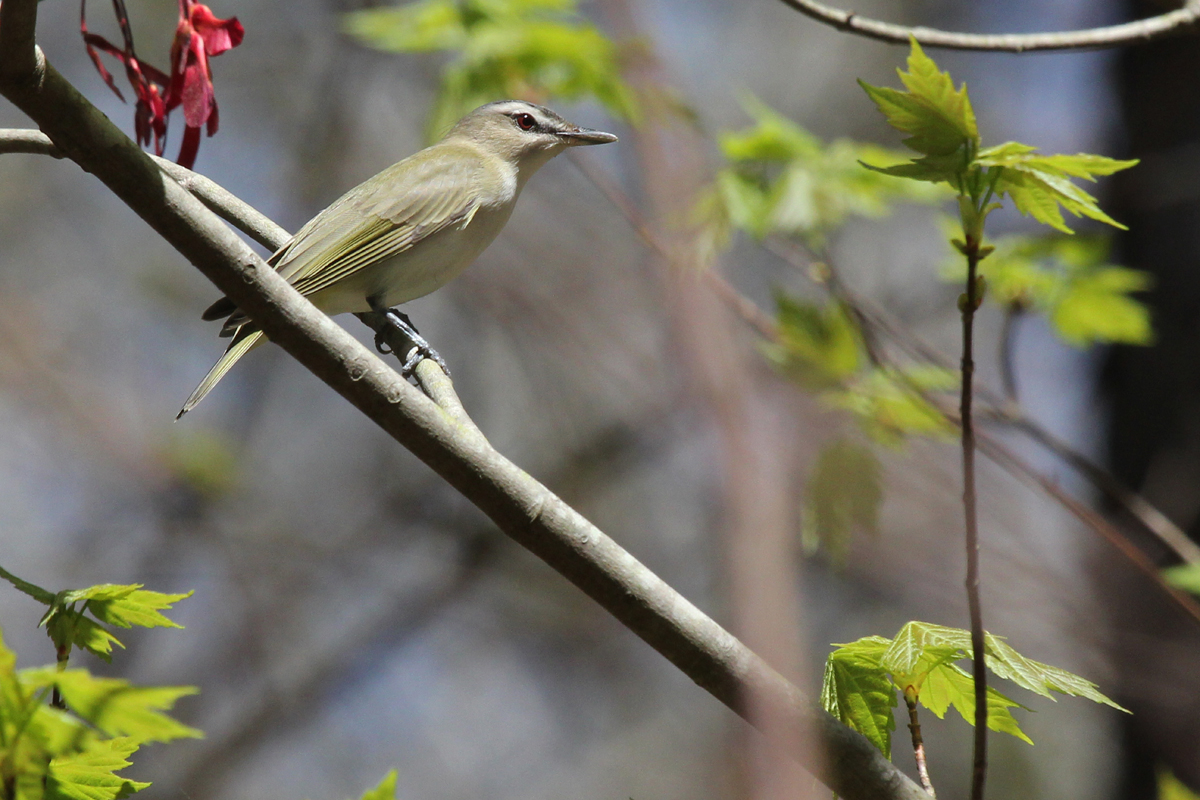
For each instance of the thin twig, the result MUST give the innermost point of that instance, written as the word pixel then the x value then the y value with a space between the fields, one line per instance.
pixel 1014 465
pixel 1153 520
pixel 745 308
pixel 220 200
pixel 1174 22
pixel 227 206
pixel 27 140
pixel 1150 518
pixel 918 743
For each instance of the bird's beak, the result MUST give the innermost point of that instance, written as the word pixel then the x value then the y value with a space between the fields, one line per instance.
pixel 581 136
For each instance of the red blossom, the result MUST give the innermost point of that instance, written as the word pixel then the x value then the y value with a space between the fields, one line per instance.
pixel 199 35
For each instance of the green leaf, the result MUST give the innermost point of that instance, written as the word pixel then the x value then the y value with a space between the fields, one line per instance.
pixel 116 604
pixel 889 405
pixel 90 775
pixel 999 657
pixel 773 137
pixel 31 732
pixel 942 127
pixel 70 628
pixel 20 750
pixel 1037 677
pixel 843 493
pixel 747 202
pixel 1171 788
pixel 119 709
pixel 782 179
pixel 101 591
pixel 920 662
pixel 817 346
pixel 139 607
pixel 938 118
pixel 712 228
pixel 857 691
pixel 869 647
pixel 1039 185
pixel 36 592
pixel 1184 576
pixel 1095 306
pixel 948 685
pixel 1080 165
pixel 413 28
pixel 533 49
pixel 925 82
pixel 931 169
pixel 386 790
pixel 913 641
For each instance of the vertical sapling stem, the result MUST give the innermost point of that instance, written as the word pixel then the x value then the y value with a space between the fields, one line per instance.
pixel 918 743
pixel 973 209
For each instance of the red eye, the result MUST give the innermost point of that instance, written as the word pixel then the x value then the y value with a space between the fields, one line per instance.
pixel 525 121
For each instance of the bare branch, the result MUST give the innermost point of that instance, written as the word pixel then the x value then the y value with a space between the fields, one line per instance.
pixel 1183 20
pixel 742 305
pixel 1153 520
pixel 227 206
pixel 224 203
pixel 519 505
pixel 26 140
pixel 1009 460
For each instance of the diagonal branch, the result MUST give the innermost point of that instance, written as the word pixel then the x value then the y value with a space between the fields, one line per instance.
pixel 522 508
pixel 224 203
pixel 1180 21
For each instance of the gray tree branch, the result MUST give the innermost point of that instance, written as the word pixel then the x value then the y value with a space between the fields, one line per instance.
pixel 522 508
pixel 1182 20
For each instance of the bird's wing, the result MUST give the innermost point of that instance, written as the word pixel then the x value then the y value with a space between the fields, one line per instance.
pixel 422 195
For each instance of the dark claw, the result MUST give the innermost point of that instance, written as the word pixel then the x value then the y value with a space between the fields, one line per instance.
pixel 421 349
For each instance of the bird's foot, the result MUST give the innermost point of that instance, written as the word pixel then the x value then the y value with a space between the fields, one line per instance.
pixel 420 350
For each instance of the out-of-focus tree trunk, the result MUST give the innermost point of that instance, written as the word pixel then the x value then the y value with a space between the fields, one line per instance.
pixel 1154 395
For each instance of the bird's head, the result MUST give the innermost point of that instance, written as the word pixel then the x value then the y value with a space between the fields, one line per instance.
pixel 525 134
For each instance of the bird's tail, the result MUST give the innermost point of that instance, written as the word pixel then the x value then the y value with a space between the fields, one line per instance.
pixel 243 341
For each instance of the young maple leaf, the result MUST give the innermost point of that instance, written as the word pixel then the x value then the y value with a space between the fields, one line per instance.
pixel 1039 185
pixel 941 126
pixel 938 118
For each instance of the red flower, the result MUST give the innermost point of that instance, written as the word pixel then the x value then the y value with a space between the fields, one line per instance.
pixel 198 35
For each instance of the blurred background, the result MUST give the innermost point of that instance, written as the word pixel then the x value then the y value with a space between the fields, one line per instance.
pixel 353 614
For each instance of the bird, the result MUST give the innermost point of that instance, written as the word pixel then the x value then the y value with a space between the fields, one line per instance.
pixel 412 228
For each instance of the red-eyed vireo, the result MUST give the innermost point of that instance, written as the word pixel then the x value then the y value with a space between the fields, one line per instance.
pixel 412 228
